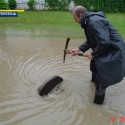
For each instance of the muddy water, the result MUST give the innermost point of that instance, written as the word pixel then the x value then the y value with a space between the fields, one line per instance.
pixel 27 61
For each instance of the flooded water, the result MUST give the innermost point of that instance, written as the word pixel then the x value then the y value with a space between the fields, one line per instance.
pixel 27 61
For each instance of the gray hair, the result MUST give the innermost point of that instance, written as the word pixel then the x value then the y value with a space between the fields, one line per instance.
pixel 79 10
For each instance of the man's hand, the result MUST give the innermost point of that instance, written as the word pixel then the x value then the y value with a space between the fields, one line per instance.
pixel 73 52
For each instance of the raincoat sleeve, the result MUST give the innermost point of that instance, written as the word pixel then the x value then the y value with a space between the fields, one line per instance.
pixel 84 47
pixel 100 32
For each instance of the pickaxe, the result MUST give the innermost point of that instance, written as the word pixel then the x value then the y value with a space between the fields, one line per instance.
pixel 66 50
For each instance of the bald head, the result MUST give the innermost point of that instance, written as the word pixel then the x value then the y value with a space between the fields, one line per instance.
pixel 78 12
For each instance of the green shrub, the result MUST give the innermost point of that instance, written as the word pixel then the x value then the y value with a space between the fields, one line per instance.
pixel 12 4
pixel 31 4
pixel 3 5
pixel 104 5
pixel 57 4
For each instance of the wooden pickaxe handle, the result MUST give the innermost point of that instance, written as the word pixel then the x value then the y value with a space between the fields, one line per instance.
pixel 66 46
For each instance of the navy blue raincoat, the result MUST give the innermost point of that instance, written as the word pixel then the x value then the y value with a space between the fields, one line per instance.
pixel 108 48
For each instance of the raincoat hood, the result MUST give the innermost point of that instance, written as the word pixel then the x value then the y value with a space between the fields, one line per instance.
pixel 83 20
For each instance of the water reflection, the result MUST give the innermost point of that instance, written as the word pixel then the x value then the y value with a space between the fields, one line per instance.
pixel 41 31
pixel 27 61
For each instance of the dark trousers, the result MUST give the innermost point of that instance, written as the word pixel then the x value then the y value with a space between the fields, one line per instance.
pixel 100 89
pixel 93 70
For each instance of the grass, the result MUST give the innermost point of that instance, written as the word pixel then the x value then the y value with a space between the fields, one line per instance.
pixel 57 21
pixel 40 17
pixel 118 20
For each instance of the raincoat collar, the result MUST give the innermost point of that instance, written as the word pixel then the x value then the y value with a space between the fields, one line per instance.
pixel 84 19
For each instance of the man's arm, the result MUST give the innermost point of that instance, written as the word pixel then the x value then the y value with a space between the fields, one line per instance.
pixel 84 47
pixel 100 33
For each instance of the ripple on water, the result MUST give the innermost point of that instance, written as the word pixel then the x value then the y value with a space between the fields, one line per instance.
pixel 34 61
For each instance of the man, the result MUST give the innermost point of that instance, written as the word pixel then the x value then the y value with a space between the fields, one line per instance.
pixel 108 50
